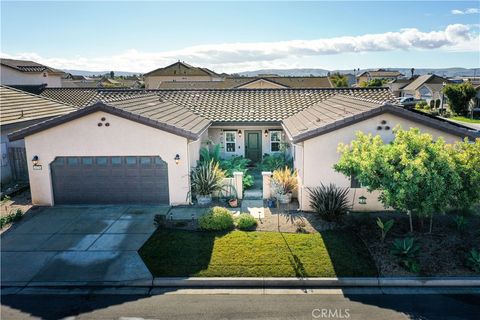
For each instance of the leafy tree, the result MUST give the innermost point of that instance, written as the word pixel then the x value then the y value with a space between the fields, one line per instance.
pixel 414 173
pixel 459 96
pixel 112 74
pixel 373 83
pixel 339 80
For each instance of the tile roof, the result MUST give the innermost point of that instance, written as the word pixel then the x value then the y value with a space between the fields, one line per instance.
pixel 19 106
pixel 343 110
pixel 421 80
pixel 27 66
pixel 189 70
pixel 80 97
pixel 381 73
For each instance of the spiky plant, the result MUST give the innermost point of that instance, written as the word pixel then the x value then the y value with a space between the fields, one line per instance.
pixel 207 178
pixel 330 202
pixel 285 180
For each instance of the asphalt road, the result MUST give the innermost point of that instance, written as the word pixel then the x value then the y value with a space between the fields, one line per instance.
pixel 241 306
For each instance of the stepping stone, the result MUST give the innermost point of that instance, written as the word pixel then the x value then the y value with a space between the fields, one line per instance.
pixel 254 208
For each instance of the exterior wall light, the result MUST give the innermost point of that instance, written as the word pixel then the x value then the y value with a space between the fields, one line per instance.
pixel 35 160
pixel 362 200
pixel 240 133
pixel 177 158
pixel 265 133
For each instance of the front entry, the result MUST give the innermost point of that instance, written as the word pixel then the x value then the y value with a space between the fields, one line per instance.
pixel 253 146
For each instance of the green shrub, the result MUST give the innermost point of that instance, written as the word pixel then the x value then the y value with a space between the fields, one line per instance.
pixel 473 260
pixel 246 222
pixel 160 221
pixel 13 216
pixel 238 164
pixel 421 105
pixel 330 202
pixel 460 223
pixel 407 251
pixel 437 103
pixel 276 161
pixel 216 219
pixel 432 104
pixel 384 227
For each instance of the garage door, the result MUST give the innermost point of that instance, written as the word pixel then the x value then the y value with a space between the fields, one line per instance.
pixel 105 180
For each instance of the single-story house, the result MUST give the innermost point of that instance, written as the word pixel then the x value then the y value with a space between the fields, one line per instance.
pixel 381 74
pixel 140 146
pixel 19 109
pixel 426 87
pixel 24 72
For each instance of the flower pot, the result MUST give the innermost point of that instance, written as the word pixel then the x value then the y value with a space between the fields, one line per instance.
pixel 204 200
pixel 233 203
pixel 284 198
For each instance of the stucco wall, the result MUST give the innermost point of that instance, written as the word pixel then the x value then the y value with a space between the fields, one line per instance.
pixel 10 76
pixel 216 136
pixel 320 154
pixel 82 137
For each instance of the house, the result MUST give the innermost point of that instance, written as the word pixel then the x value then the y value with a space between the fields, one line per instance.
pixel 397 85
pixel 139 146
pixel 426 87
pixel 20 109
pixel 381 74
pixel 179 71
pixel 23 72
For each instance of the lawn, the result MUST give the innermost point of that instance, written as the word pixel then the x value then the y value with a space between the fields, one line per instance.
pixel 256 254
pixel 465 119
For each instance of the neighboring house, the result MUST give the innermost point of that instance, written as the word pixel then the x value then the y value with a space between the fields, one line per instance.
pixel 23 72
pixel 18 110
pixel 427 87
pixel 179 71
pixel 133 146
pixel 381 74
pixel 397 85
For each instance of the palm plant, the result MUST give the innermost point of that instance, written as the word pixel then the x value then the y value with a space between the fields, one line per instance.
pixel 330 202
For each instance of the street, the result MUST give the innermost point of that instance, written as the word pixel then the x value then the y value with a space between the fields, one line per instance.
pixel 228 304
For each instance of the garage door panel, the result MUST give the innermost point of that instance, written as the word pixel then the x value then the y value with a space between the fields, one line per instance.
pixel 131 179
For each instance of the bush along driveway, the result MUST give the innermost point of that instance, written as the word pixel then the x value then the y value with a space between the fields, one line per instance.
pixel 170 253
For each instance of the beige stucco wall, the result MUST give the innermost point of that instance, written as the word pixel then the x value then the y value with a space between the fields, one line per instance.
pixel 82 137
pixel 10 76
pixel 316 158
pixel 216 136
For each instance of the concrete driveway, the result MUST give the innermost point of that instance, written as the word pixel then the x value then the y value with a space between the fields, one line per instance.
pixel 78 245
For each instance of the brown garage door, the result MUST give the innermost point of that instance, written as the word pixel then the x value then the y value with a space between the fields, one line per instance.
pixel 105 180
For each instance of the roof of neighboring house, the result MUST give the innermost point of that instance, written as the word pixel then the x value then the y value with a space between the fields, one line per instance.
pixel 147 109
pixel 79 97
pixel 381 73
pixel 19 106
pixel 237 82
pixel 421 80
pixel 189 70
pixel 28 66
pixel 341 110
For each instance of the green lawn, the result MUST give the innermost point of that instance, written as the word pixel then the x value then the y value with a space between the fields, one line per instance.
pixel 465 119
pixel 256 254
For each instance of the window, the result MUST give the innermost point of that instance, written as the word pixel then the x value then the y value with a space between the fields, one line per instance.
pixel 116 161
pixel 102 161
pixel 131 160
pixel 88 161
pixel 230 141
pixel 275 140
pixel 72 161
pixel 145 160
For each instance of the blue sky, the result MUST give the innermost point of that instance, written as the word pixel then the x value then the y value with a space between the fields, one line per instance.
pixel 239 36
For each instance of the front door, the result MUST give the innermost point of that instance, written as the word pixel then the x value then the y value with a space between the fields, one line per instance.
pixel 253 146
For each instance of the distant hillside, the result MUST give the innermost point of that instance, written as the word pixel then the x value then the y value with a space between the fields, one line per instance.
pixel 96 73
pixel 446 72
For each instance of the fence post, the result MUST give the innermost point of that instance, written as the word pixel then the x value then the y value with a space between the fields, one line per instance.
pixel 238 183
pixel 267 193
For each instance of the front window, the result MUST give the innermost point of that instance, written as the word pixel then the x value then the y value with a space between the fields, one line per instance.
pixel 275 140
pixel 230 141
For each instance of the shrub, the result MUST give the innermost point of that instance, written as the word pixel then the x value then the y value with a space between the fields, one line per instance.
pixel 207 178
pixel 407 250
pixel 301 227
pixel 432 104
pixel 285 180
pixel 384 227
pixel 421 105
pixel 460 222
pixel 216 219
pixel 473 260
pixel 330 202
pixel 238 164
pixel 274 162
pixel 246 222
pixel 437 103
pixel 13 216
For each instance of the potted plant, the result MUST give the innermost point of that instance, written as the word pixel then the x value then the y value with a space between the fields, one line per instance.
pixel 284 183
pixel 206 179
pixel 233 202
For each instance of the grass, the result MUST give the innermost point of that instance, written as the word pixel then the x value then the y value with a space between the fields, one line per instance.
pixel 465 119
pixel 256 254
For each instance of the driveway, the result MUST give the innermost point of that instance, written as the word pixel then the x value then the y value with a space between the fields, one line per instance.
pixel 78 244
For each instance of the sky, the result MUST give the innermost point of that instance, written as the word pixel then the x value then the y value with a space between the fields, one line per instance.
pixel 242 36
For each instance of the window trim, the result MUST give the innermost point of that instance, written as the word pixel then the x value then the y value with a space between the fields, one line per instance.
pixel 226 132
pixel 270 140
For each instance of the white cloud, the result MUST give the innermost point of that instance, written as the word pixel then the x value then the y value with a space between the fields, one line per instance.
pixel 466 11
pixel 230 57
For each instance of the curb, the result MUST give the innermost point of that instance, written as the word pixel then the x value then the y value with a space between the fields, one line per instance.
pixel 196 282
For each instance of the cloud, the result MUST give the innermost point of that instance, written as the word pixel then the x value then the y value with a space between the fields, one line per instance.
pixel 466 11
pixel 244 56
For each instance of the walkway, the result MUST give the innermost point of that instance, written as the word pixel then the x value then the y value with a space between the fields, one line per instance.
pixel 253 197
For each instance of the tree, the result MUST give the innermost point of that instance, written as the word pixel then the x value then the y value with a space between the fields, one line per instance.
pixel 339 80
pixel 414 173
pixel 459 96
pixel 413 72
pixel 112 74
pixel 373 83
